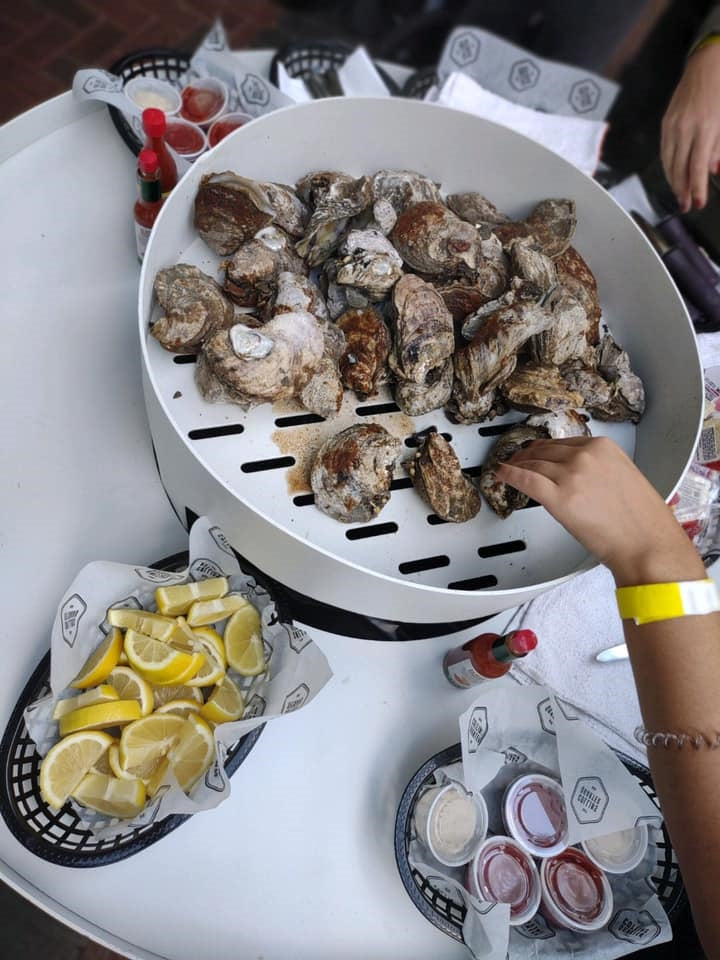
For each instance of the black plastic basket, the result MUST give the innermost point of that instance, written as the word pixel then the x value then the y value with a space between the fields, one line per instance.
pixel 418 83
pixel 312 61
pixel 57 835
pixel 448 916
pixel 157 62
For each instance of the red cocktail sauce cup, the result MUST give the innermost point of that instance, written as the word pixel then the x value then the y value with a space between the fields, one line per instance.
pixel 187 139
pixel 534 814
pixel 225 125
pixel 502 872
pixel 576 894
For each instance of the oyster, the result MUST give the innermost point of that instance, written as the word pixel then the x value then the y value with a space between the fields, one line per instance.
pixel 627 395
pixel 323 395
pixel 584 379
pixel 531 264
pixel 501 497
pixel 433 241
pixel 415 399
pixel 229 210
pixel 336 198
pixel 537 387
pixel 561 424
pixel 436 475
pixel 551 225
pixel 363 364
pixel 352 473
pixel 402 188
pixel 279 374
pixel 577 278
pixel 298 293
pixel 475 209
pixel 194 308
pixel 368 262
pixel 252 271
pixel 569 338
pixel 424 337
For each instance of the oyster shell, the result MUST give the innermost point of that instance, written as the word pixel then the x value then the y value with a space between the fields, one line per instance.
pixel 252 271
pixel 368 262
pixel 323 395
pixel 577 278
pixel 336 198
pixel 537 387
pixel 436 475
pixel 402 188
pixel 297 346
pixel 551 224
pixel 424 337
pixel 501 497
pixel 569 337
pixel 475 209
pixel 352 473
pixel 194 308
pixel 561 424
pixel 363 365
pixel 415 399
pixel 584 379
pixel 229 210
pixel 531 264
pixel 627 394
pixel 433 241
pixel 298 293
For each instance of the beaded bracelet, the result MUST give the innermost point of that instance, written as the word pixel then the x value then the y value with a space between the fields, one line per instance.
pixel 697 741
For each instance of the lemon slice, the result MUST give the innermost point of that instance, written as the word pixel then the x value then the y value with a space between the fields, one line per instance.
pixel 210 673
pixel 181 707
pixel 243 642
pixel 210 639
pixel 157 661
pixel 102 764
pixel 193 752
pixel 67 762
pixel 143 621
pixel 195 663
pixel 108 795
pixel 131 686
pixel 155 780
pixel 115 767
pixel 145 742
pixel 101 662
pixel 180 597
pixel 180 691
pixel 100 694
pixel 226 703
pixel 114 713
pixel 203 612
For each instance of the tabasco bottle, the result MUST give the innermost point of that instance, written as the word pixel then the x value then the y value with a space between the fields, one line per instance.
pixel 487 657
pixel 149 201
pixel 154 125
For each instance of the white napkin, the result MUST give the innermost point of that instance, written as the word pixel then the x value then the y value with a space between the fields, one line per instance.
pixel 577 140
pixel 574 622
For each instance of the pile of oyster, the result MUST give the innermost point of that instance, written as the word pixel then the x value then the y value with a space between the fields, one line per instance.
pixel 348 283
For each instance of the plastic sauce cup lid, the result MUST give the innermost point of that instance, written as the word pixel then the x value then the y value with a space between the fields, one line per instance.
pixel 618 852
pixel 502 872
pixel 576 894
pixel 451 822
pixel 535 815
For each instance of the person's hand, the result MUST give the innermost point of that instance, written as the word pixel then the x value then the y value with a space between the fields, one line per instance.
pixel 598 494
pixel 690 135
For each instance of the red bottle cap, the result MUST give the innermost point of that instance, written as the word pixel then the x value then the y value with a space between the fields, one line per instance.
pixel 154 122
pixel 521 642
pixel 148 162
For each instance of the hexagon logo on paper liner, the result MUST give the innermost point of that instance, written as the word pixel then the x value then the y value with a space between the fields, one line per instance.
pixel 536 929
pixel 547 716
pixel 102 80
pixel 465 49
pixel 255 91
pixel 477 729
pixel 71 613
pixel 524 75
pixel 127 603
pixel 204 569
pixel 157 576
pixel 214 779
pixel 584 95
pixel 297 638
pixel 589 800
pixel 634 926
pixel 255 707
pixel 513 755
pixel 446 889
pixel 296 698
pixel 221 541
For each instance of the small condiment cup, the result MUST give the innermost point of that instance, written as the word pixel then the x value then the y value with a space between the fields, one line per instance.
pixel 225 125
pixel 502 872
pixel 187 139
pixel 193 94
pixel 146 92
pixel 576 894
pixel 451 822
pixel 618 852
pixel 534 814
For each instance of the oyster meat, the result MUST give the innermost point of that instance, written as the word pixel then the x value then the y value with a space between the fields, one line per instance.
pixel 363 365
pixel 433 241
pixel 424 337
pixel 368 262
pixel 352 473
pixel 501 497
pixel 415 399
pixel 436 475
pixel 252 271
pixel 194 308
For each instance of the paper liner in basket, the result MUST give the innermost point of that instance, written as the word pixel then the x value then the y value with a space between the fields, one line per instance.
pixel 507 732
pixel 297 668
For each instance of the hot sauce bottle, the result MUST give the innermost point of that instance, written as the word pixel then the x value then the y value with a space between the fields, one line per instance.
pixel 486 657
pixel 155 125
pixel 149 201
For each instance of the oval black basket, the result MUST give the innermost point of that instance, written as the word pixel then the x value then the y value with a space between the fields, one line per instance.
pixel 57 835
pixel 448 916
pixel 314 62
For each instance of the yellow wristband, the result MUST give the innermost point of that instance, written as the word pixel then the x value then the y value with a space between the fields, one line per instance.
pixel 664 601
pixel 708 41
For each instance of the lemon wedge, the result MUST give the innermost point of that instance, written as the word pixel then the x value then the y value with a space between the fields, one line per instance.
pixel 210 673
pixel 100 694
pixel 158 662
pixel 180 597
pixel 115 767
pixel 193 751
pixel 101 662
pixel 243 642
pixel 102 764
pixel 179 691
pixel 145 742
pixel 226 703
pixel 181 707
pixel 67 762
pixel 203 612
pixel 152 624
pixel 155 780
pixel 131 686
pixel 108 795
pixel 114 713
pixel 210 639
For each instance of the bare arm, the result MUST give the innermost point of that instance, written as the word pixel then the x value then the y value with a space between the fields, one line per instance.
pixel 599 495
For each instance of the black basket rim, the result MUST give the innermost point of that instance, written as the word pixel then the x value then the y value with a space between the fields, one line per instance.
pixel 119 848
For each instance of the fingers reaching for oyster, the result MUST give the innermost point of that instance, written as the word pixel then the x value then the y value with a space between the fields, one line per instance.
pixel 342 288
